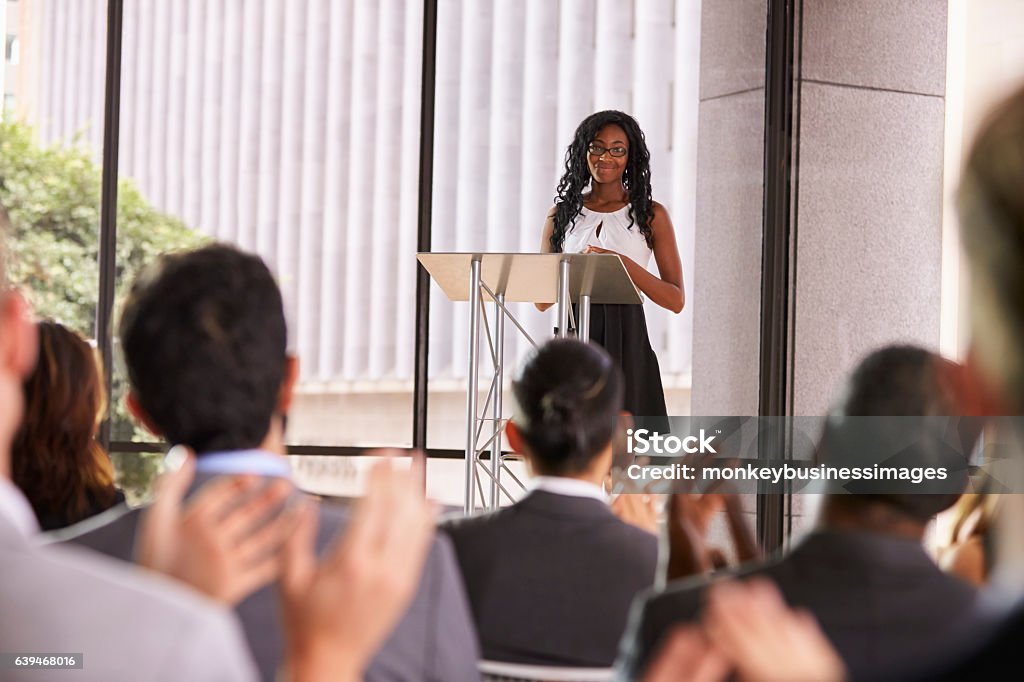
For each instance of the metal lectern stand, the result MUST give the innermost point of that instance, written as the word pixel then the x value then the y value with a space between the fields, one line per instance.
pixel 503 278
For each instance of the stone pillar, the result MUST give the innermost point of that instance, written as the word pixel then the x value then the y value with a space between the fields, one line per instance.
pixel 726 293
pixel 869 201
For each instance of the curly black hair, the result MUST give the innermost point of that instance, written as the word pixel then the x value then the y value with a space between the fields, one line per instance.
pixel 636 177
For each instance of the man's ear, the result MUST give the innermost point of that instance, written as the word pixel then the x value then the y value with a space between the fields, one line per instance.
pixel 291 377
pixel 976 395
pixel 19 343
pixel 515 438
pixel 140 415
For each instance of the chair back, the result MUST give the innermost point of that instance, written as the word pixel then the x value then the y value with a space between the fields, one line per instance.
pixel 495 671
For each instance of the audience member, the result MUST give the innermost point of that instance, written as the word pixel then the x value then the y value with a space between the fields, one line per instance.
pixel 550 578
pixel 863 573
pixel 204 341
pixel 55 459
pixel 991 208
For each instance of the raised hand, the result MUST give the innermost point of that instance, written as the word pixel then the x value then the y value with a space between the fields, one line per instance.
pixel 225 541
pixel 689 519
pixel 637 509
pixel 339 611
pixel 687 655
pixel 764 639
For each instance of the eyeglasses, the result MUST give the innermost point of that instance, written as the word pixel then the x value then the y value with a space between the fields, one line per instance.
pixel 597 150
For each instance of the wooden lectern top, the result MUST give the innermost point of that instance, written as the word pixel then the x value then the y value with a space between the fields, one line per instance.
pixel 533 277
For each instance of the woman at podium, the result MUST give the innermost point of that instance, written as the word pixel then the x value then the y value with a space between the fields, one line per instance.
pixel 604 205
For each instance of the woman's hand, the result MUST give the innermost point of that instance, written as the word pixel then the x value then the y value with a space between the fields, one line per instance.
pixel 667 289
pixel 598 249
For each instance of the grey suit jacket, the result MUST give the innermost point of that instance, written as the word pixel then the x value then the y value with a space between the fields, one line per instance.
pixel 880 599
pixel 551 578
pixel 434 641
pixel 126 624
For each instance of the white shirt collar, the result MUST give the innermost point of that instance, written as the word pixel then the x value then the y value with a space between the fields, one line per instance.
pixel 573 487
pixel 16 509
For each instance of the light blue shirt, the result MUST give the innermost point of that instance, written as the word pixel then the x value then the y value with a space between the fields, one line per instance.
pixel 258 462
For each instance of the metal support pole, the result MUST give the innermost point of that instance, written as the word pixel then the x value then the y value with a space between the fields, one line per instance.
pixel 499 358
pixel 563 298
pixel 471 377
pixel 584 321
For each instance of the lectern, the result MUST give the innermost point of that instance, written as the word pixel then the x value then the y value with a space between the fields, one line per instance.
pixel 500 278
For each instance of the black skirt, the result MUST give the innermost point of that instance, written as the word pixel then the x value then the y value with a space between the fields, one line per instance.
pixel 622 331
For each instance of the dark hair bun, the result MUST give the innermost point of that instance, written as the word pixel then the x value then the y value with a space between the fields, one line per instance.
pixel 569 395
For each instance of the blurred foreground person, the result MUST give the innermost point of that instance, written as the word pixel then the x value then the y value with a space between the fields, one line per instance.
pixel 551 577
pixel 863 572
pixel 55 460
pixel 991 207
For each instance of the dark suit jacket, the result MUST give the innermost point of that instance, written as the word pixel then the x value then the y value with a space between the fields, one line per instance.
pixel 990 656
pixel 433 642
pixel 550 578
pixel 880 599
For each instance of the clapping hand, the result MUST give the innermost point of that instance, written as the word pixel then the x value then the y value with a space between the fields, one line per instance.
pixel 747 630
pixel 339 610
pixel 220 542
pixel 765 640
pixel 637 509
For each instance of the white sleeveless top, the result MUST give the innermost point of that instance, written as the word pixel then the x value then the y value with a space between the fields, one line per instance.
pixel 615 235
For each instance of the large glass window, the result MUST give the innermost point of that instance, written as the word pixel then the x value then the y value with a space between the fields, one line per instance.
pixel 50 152
pixel 292 129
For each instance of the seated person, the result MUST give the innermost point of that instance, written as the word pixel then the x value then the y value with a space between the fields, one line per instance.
pixel 550 578
pixel 55 459
pixel 204 339
pixel 863 573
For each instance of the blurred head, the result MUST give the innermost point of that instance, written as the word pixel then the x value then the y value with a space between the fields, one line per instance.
pixel 611 130
pixel 17 352
pixel 568 396
pixel 898 384
pixel 991 207
pixel 55 459
pixel 204 340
